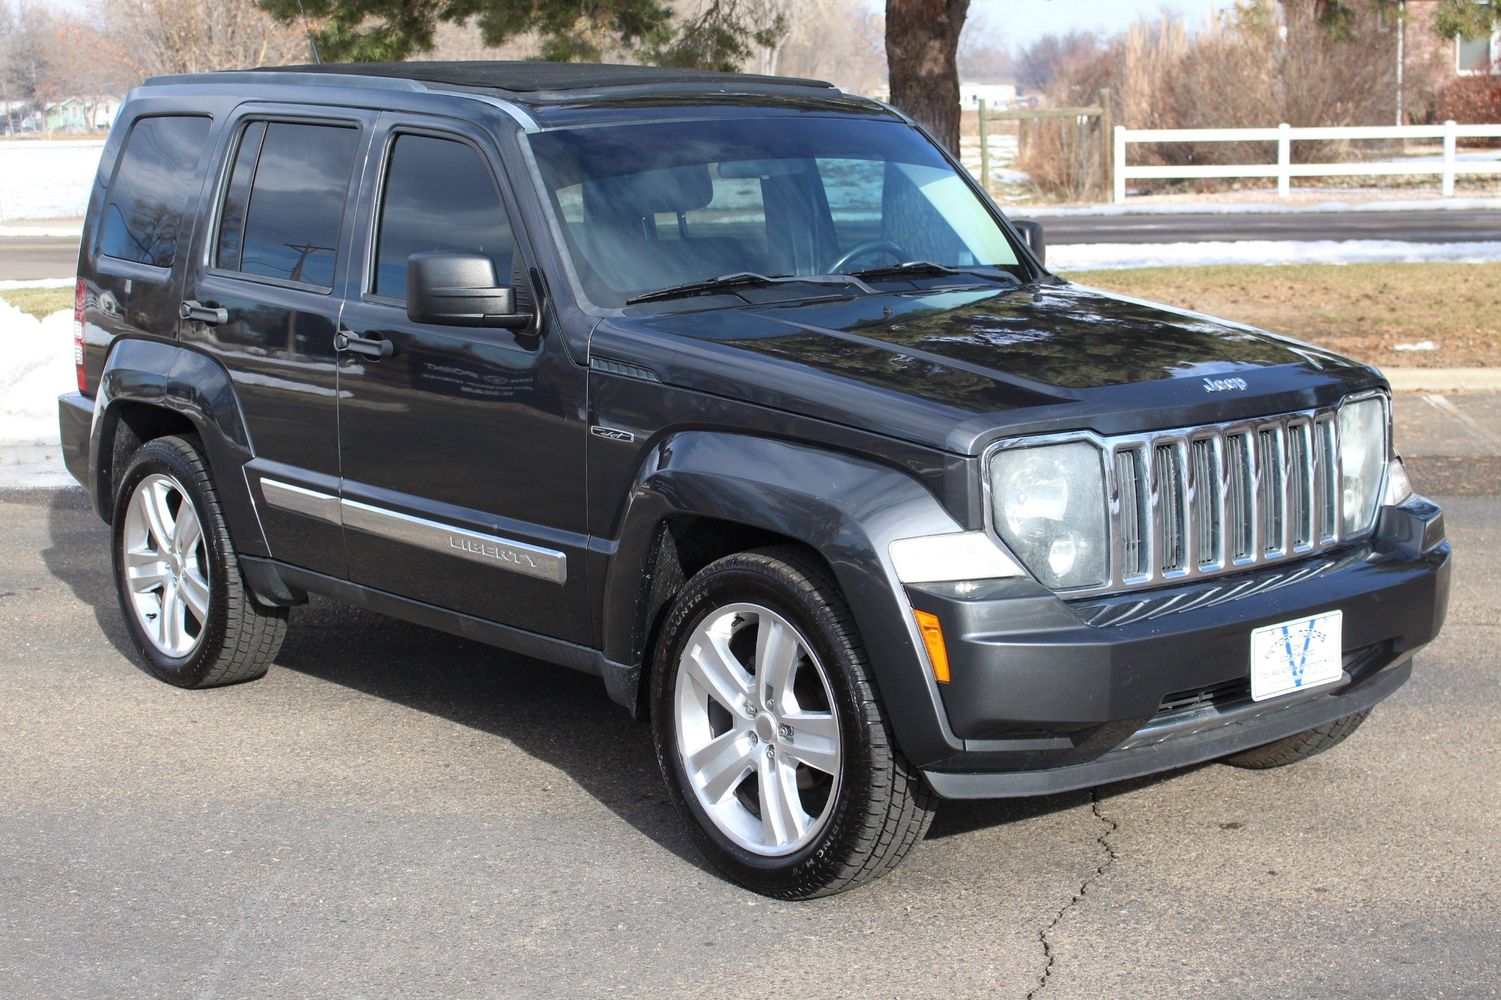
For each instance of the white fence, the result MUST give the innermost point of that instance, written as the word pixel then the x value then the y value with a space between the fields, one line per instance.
pixel 1448 166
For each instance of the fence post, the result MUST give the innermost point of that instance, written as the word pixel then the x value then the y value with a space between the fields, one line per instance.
pixel 1449 143
pixel 1106 120
pixel 1284 159
pixel 984 151
pixel 1118 164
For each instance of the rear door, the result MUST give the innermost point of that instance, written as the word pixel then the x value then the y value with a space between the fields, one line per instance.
pixel 132 260
pixel 463 450
pixel 266 306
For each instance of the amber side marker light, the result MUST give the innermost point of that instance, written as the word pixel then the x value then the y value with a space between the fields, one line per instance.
pixel 932 637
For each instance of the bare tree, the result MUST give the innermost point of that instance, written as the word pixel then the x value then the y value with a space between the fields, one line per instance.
pixel 831 40
pixel 984 56
pixel 1053 57
pixel 198 36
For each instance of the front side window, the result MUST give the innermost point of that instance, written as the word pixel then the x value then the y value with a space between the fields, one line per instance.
pixel 439 195
pixel 650 206
pixel 149 205
pixel 285 201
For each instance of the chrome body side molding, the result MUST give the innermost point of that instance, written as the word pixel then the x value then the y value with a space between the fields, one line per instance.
pixel 420 532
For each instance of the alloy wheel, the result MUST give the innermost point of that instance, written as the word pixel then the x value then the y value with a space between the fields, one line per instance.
pixel 757 734
pixel 166 565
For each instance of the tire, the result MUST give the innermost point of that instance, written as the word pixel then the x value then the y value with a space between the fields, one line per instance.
pixel 186 607
pixel 802 726
pixel 1299 746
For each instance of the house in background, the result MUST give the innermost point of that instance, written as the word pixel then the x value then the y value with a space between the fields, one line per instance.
pixel 81 114
pixel 1452 57
pixel 995 95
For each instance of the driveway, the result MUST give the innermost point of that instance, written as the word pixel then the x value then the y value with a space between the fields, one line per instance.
pixel 393 811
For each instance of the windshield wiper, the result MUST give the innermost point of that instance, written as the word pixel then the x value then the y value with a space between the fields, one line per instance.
pixel 746 279
pixel 921 268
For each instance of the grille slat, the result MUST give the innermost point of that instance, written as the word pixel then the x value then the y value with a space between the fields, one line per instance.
pixel 1168 476
pixel 1327 480
pixel 1271 488
pixel 1206 506
pixel 1133 510
pixel 1214 499
pixel 1301 484
pixel 1240 496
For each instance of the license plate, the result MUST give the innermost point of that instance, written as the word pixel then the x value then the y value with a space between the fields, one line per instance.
pixel 1296 655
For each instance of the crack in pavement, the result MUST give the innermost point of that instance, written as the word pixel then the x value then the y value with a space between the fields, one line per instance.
pixel 1049 957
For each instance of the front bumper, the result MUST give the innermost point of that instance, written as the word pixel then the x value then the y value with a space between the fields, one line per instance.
pixel 1048 696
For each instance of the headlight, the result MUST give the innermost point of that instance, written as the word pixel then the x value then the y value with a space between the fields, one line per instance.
pixel 1362 457
pixel 1049 507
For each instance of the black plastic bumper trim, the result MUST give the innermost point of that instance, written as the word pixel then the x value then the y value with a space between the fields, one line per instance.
pixel 1199 737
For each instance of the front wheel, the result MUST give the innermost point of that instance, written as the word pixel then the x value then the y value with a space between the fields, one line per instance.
pixel 771 735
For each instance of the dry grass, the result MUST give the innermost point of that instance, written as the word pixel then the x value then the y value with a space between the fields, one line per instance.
pixel 39 302
pixel 1363 310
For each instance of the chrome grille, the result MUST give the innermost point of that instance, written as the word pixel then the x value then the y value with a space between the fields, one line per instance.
pixel 1205 500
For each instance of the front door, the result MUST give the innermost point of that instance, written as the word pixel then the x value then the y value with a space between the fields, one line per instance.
pixel 462 449
pixel 265 302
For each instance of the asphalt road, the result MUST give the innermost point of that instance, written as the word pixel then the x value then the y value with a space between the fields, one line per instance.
pixel 392 811
pixel 1415 227
pixel 31 258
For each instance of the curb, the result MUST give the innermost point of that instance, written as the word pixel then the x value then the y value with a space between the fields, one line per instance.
pixel 1444 379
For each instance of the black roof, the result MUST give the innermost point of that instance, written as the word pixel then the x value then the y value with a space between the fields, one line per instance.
pixel 539 78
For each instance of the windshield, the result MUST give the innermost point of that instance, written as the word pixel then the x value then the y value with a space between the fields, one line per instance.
pixel 653 206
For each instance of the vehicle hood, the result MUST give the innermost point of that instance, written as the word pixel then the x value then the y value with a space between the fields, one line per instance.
pixel 958 369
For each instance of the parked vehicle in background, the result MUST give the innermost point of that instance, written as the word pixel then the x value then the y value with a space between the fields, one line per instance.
pixel 739 394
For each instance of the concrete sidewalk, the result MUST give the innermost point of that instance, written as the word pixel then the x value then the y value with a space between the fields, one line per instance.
pixel 1451 442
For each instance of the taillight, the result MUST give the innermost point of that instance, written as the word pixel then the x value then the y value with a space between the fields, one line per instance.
pixel 80 295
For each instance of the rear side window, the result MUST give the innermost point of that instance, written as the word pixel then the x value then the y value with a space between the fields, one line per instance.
pixel 150 202
pixel 285 201
pixel 439 195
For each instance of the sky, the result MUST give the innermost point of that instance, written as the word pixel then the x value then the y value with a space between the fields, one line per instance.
pixel 1020 22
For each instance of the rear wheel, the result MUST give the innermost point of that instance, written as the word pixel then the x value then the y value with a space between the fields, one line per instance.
pixel 1299 746
pixel 177 577
pixel 771 736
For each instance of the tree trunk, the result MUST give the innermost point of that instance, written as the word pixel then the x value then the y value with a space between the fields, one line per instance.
pixel 922 46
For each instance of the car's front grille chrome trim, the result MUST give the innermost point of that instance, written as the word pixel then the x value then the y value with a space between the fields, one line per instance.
pixel 1197 502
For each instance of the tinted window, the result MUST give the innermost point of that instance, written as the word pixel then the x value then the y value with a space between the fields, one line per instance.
pixel 285 201
pixel 149 203
pixel 439 195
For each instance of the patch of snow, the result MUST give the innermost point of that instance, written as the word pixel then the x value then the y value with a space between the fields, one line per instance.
pixel 1268 208
pixel 36 366
pixel 1108 256
pixel 33 467
pixel 46 180
pixel 1422 345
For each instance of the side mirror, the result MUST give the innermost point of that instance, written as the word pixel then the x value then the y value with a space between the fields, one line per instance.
pixel 1032 235
pixel 460 289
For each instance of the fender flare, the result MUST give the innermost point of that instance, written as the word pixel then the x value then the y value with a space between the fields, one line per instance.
pixel 847 509
pixel 171 377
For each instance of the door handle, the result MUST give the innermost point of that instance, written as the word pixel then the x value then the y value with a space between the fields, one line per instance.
pixel 374 348
pixel 194 310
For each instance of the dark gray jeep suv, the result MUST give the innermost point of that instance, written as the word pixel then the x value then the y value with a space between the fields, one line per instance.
pixel 738 393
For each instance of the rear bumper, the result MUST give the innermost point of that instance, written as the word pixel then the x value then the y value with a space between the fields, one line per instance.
pixel 75 418
pixel 1048 696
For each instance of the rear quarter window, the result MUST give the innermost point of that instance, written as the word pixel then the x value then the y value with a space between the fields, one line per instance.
pixel 150 203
